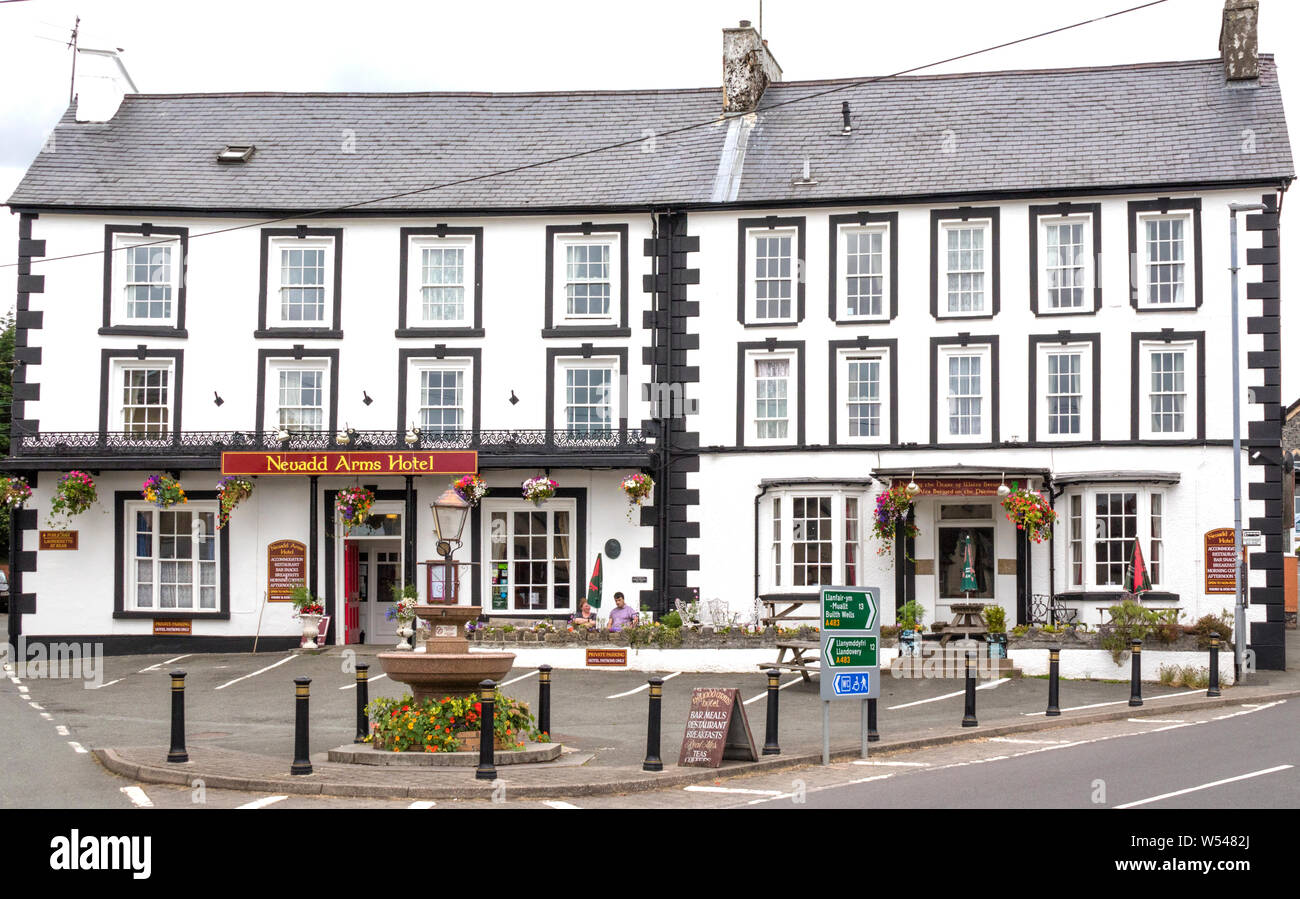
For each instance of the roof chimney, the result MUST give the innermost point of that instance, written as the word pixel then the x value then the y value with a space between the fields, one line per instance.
pixel 748 67
pixel 1239 40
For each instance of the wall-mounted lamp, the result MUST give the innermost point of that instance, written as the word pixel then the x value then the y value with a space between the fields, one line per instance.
pixel 282 435
pixel 365 398
pixel 913 488
pixel 514 400
pixel 217 400
pixel 344 437
pixel 1003 490
pixel 412 436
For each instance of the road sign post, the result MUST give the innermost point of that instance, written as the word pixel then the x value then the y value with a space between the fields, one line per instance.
pixel 850 652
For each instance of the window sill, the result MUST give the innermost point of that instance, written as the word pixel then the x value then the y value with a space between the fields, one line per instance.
pixel 307 333
pixel 1046 312
pixel 439 332
pixel 144 331
pixel 168 614
pixel 587 331
pixel 1182 307
pixel 865 320
pixel 1116 595
pixel 962 316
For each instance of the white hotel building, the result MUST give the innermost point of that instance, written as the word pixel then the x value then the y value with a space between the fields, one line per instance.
pixel 776 315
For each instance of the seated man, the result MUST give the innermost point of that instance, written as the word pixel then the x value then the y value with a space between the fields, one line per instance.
pixel 622 616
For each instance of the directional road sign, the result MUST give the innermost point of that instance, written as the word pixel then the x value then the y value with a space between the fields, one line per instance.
pixel 850 643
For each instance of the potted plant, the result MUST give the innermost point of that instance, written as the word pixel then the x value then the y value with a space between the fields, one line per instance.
pixel 911 616
pixel 403 612
pixel 353 507
pixel 637 487
pixel 539 489
pixel 231 491
pixel 1030 512
pixel 471 488
pixel 995 619
pixel 14 491
pixel 163 491
pixel 309 610
pixel 74 494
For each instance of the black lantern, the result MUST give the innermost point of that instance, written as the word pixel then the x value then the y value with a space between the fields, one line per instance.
pixel 449 513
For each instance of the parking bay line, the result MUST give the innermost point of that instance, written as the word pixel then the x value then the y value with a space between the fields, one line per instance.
pixel 555 803
pixel 263 802
pixel 1097 705
pixel 353 685
pixel 105 684
pixel 256 673
pixel 697 788
pixel 138 797
pixel 422 803
pixel 1226 780
pixel 790 683
pixel 516 680
pixel 645 686
pixel 989 686
pixel 168 662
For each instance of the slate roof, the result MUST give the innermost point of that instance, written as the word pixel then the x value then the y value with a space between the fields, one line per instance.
pixel 1160 124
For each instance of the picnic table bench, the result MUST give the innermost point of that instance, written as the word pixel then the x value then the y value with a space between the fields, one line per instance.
pixel 799 659
pixel 794 605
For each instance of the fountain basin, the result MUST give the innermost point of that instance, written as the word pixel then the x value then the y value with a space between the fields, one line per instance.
pixel 435 675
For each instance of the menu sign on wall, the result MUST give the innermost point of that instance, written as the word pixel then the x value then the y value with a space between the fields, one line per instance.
pixel 286 569
pixel 1220 567
pixel 716 728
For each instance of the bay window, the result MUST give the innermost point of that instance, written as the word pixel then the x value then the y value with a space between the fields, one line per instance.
pixel 814 536
pixel 1101 526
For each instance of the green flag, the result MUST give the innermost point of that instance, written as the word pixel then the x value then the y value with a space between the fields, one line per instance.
pixel 968 582
pixel 595 584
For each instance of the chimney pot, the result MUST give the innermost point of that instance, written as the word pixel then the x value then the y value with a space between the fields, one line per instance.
pixel 744 23
pixel 1239 40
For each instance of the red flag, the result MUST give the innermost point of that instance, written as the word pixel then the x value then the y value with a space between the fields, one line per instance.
pixel 1137 579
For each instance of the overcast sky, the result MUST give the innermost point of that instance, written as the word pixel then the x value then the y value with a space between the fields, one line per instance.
pixel 503 45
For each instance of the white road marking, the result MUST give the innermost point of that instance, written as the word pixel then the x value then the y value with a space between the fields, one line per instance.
pixel 516 680
pixel 989 686
pixel 863 780
pixel 61 730
pixel 20 689
pixel 893 764
pixel 555 803
pixel 138 797
pixel 1250 709
pixel 105 684
pixel 790 683
pixel 645 686
pixel 257 672
pixel 422 803
pixel 1217 783
pixel 35 706
pixel 168 662
pixel 1097 705
pixel 353 685
pixel 697 788
pixel 77 746
pixel 47 716
pixel 263 802
pixel 1016 740
pixel 1158 720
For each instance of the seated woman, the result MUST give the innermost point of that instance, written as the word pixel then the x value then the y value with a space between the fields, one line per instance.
pixel 586 616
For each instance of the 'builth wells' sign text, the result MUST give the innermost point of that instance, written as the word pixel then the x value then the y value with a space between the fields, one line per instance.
pixel 372 463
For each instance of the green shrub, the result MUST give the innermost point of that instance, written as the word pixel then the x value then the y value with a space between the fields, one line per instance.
pixel 1220 624
pixel 911 615
pixel 672 619
pixel 1128 621
pixel 996 619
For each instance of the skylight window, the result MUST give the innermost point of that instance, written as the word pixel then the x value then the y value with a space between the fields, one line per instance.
pixel 236 153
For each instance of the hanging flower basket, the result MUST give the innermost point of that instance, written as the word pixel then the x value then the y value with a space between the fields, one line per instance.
pixel 74 494
pixel 163 491
pixel 1030 512
pixel 890 518
pixel 15 491
pixel 539 489
pixel 231 491
pixel 471 488
pixel 353 506
pixel 637 487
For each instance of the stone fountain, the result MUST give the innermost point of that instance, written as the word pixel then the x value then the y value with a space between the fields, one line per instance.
pixel 446 667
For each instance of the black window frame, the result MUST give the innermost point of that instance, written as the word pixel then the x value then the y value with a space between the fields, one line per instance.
pixel 404 328
pixel 562 330
pixel 995 396
pixel 863 219
pixel 1164 205
pixel 744 227
pixel 335 330
pixel 1064 210
pixel 965 214
pixel 1065 338
pixel 743 349
pixel 146 230
pixel 142 353
pixel 405 355
pixel 890 345
pixel 266 354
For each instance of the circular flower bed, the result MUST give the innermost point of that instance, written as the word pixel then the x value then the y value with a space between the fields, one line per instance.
pixel 163 490
pixel 400 725
pixel 353 507
pixel 1030 512
pixel 74 494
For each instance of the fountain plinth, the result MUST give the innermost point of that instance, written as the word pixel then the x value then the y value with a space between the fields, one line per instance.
pixel 446 667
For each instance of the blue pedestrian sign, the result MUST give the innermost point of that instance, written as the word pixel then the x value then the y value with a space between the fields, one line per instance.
pixel 858 685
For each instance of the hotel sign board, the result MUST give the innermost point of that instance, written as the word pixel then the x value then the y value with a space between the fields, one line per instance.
pixel 957 487
pixel 286 569
pixel 1220 550
pixel 375 463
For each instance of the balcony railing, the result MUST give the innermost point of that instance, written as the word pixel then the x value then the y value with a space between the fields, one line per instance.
pixel 213 443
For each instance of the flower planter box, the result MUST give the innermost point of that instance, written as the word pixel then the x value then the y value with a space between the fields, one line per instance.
pixel 469 740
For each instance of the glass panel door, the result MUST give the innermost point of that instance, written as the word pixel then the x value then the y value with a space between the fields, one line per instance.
pixel 952 562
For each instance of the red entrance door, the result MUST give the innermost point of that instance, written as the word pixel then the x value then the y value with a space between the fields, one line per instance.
pixel 351 596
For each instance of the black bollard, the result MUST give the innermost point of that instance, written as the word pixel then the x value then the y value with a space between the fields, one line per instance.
pixel 652 761
pixel 177 753
pixel 1135 688
pixel 770 745
pixel 1054 682
pixel 968 719
pixel 1214 666
pixel 487 768
pixel 873 736
pixel 363 700
pixel 544 699
pixel 301 755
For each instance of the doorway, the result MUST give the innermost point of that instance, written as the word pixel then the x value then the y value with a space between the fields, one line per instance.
pixel 372 563
pixel 959 522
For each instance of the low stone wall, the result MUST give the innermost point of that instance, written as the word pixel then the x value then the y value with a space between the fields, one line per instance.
pixel 645 637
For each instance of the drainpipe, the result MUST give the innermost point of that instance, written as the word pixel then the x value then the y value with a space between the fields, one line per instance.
pixel 757 500
pixel 1052 495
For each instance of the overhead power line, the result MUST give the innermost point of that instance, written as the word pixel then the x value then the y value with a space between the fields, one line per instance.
pixel 767 111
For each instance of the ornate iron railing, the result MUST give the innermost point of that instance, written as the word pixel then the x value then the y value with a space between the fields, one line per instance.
pixel 213 443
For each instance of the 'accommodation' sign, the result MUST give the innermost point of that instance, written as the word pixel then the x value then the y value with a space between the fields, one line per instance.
pixel 371 462
pixel 1220 572
pixel 286 569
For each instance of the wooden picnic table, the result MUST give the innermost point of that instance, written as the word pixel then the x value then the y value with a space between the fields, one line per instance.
pixel 793 605
pixel 799 659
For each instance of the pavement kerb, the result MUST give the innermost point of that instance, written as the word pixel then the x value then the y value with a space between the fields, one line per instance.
pixel 185 774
